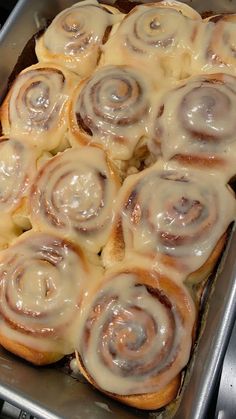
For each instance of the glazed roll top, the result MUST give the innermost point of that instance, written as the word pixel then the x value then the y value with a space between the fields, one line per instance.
pixel 75 36
pixel 35 108
pixel 215 45
pixel 43 279
pixel 154 34
pixel 175 216
pixel 74 194
pixel 136 335
pixel 111 109
pixel 195 123
pixel 17 170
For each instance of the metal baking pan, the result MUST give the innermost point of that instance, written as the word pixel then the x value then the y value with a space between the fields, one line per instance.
pixel 48 392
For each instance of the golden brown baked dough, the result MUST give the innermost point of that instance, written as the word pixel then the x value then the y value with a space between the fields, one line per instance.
pixel 9 230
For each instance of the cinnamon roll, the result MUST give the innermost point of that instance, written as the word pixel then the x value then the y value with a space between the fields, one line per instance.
pixel 76 35
pixel 74 194
pixel 136 336
pixel 36 106
pixel 176 217
pixel 157 38
pixel 17 170
pixel 215 45
pixel 42 281
pixel 111 109
pixel 194 123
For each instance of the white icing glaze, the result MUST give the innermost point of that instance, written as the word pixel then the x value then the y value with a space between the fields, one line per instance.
pixel 17 169
pixel 180 214
pixel 75 36
pixel 215 46
pixel 196 119
pixel 74 367
pixel 112 109
pixel 137 331
pixel 37 104
pixel 74 194
pixel 42 281
pixel 157 34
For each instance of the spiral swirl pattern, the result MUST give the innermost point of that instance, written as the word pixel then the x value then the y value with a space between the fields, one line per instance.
pixel 196 122
pixel 215 45
pixel 35 108
pixel 154 27
pixel 17 169
pixel 137 331
pixel 74 193
pixel 42 281
pixel 174 213
pixel 153 33
pixel 111 109
pixel 76 35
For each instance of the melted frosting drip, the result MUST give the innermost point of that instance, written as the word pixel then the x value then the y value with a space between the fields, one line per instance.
pixel 74 194
pixel 42 281
pixel 112 109
pixel 137 332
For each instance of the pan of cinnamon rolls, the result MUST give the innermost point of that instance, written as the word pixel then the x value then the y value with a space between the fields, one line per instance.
pixel 117 155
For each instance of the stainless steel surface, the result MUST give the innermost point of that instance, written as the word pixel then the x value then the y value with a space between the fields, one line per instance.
pixel 214 340
pixel 5 10
pixel 8 411
pixel 48 393
pixel 226 404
